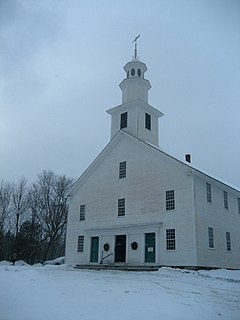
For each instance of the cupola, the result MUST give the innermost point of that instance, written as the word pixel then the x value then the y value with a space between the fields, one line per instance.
pixel 134 86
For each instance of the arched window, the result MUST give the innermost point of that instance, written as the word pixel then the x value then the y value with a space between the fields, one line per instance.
pixel 133 72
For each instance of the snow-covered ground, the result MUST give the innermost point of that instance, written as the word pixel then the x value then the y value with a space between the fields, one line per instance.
pixel 64 293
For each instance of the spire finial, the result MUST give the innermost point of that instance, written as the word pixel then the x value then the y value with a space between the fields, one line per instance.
pixel 135 51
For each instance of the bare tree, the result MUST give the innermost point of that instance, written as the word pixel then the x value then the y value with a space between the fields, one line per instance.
pixel 19 203
pixel 33 203
pixel 32 228
pixel 5 200
pixel 52 207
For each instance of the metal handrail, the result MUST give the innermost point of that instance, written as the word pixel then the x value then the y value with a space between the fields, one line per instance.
pixel 103 258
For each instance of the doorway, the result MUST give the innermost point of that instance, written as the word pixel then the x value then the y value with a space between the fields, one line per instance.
pixel 94 249
pixel 149 247
pixel 120 248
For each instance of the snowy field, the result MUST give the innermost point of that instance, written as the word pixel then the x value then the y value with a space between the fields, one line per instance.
pixel 63 293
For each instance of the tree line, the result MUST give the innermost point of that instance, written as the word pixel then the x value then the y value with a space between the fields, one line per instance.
pixel 33 218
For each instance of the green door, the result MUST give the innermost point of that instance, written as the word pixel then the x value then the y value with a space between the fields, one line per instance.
pixel 149 247
pixel 94 249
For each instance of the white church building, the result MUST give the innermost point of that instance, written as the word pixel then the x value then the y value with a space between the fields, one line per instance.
pixel 137 206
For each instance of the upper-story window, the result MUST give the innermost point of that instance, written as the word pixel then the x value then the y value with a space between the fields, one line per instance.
pixel 238 200
pixel 148 121
pixel 122 170
pixel 209 192
pixel 225 199
pixel 170 200
pixel 133 72
pixel 121 207
pixel 82 212
pixel 139 72
pixel 123 121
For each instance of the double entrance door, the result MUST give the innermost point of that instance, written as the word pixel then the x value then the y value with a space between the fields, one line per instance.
pixel 120 248
pixel 150 248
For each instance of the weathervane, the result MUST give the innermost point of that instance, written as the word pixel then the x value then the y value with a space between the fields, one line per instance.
pixel 135 51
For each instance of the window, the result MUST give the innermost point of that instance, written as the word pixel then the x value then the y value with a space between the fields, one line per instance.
pixel 209 192
pixel 80 243
pixel 228 241
pixel 147 121
pixel 139 72
pixel 122 169
pixel 121 207
pixel 210 238
pixel 170 202
pixel 170 239
pixel 225 198
pixel 238 200
pixel 82 212
pixel 123 123
pixel 133 72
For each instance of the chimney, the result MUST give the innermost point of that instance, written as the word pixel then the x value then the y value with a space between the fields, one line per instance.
pixel 188 157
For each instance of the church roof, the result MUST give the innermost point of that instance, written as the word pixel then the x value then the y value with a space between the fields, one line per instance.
pixel 116 140
pixel 197 170
pixel 138 102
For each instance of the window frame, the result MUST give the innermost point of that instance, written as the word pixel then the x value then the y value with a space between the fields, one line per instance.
pixel 238 202
pixel 225 199
pixel 123 120
pixel 170 200
pixel 122 173
pixel 209 192
pixel 121 207
pixel 82 212
pixel 210 238
pixel 228 241
pixel 80 244
pixel 171 239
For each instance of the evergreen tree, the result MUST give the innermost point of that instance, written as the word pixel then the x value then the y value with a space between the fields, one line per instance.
pixel 28 242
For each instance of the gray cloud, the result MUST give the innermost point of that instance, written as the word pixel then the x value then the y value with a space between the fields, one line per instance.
pixel 25 29
pixel 61 63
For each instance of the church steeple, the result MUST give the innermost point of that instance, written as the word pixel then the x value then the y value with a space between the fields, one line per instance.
pixel 135 115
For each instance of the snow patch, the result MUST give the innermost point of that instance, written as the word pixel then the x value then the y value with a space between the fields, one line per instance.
pixel 5 263
pixel 62 292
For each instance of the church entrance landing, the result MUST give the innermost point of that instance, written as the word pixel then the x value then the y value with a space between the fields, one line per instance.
pixel 120 248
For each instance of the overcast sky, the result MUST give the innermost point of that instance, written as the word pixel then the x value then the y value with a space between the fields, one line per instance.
pixel 61 63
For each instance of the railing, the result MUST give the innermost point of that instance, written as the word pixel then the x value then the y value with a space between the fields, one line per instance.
pixel 103 258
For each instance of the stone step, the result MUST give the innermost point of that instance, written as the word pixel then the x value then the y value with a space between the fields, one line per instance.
pixel 123 267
